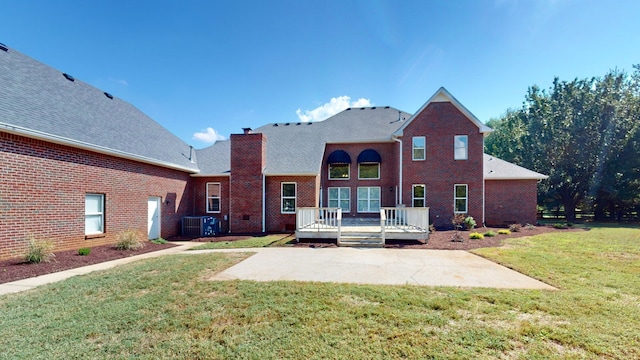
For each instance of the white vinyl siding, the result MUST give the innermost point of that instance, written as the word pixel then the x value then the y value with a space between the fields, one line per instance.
pixel 93 214
pixel 460 147
pixel 340 197
pixel 369 199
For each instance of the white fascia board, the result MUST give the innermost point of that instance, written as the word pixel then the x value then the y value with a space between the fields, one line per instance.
pixel 292 174
pixel 227 174
pixel 60 140
pixel 367 141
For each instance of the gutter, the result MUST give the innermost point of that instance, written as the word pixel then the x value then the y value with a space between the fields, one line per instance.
pixel 60 140
pixel 264 200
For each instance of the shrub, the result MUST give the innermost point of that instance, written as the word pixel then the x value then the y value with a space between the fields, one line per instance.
pixel 458 221
pixel 515 227
pixel 560 226
pixel 129 240
pixel 432 228
pixel 529 227
pixel 504 232
pixel 490 233
pixel 469 223
pixel 159 241
pixel 84 251
pixel 39 251
pixel 476 235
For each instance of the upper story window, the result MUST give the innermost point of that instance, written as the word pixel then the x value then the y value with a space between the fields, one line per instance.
pixel 288 198
pixel 93 214
pixel 460 147
pixel 339 164
pixel 213 197
pixel 369 165
pixel 419 146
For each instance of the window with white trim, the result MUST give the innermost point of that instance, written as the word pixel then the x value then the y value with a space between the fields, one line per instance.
pixel 213 197
pixel 418 195
pixel 419 146
pixel 288 198
pixel 369 199
pixel 339 171
pixel 340 197
pixel 93 214
pixel 460 147
pixel 460 198
pixel 369 171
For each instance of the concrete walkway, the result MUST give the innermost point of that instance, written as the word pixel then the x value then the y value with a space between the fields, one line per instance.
pixel 341 265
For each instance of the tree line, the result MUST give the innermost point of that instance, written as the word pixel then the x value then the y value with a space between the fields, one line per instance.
pixel 585 135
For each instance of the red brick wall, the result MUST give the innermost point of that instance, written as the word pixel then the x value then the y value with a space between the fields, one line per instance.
pixel 200 197
pixel 248 156
pixel 306 196
pixel 510 201
pixel 388 174
pixel 43 187
pixel 439 122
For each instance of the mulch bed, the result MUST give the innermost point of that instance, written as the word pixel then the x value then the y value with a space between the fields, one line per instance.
pixel 17 269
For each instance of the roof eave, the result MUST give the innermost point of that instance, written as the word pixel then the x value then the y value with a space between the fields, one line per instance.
pixel 34 134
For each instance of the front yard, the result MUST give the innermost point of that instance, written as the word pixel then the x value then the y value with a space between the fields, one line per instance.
pixel 165 308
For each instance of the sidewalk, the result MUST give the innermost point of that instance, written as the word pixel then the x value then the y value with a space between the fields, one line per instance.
pixel 30 283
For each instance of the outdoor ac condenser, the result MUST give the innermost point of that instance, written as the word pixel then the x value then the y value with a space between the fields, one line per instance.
pixel 200 226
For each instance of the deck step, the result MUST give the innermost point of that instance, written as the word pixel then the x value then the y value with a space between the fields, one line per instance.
pixel 361 241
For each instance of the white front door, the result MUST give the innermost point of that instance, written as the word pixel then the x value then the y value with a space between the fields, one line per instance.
pixel 154 217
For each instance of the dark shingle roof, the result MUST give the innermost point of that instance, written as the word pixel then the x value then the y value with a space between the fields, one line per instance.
pixel 297 148
pixel 39 101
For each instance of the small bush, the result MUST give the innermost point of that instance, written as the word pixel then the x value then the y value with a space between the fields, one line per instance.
pixel 515 227
pixel 560 226
pixel 458 221
pixel 432 228
pixel 490 233
pixel 159 241
pixel 129 240
pixel 530 227
pixel 504 232
pixel 476 236
pixel 84 251
pixel 469 223
pixel 39 251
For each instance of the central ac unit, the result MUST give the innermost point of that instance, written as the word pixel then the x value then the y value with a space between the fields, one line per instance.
pixel 200 226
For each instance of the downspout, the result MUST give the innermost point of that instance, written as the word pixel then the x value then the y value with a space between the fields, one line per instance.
pixel 399 172
pixel 264 199
pixel 484 181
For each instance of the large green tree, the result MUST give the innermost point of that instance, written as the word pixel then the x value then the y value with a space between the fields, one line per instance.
pixel 584 135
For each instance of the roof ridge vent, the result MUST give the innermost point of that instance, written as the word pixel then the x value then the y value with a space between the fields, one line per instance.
pixel 108 95
pixel 3 47
pixel 69 77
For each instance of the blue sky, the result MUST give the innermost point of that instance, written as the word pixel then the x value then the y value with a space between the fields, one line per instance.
pixel 214 67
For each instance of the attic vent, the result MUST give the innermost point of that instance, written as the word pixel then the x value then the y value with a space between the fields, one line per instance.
pixel 309 123
pixel 286 124
pixel 348 108
pixel 69 77
pixel 386 107
pixel 361 108
pixel 276 124
pixel 108 95
pixel 298 123
pixel 373 108
pixel 3 47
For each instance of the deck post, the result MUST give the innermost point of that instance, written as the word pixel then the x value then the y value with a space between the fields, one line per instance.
pixel 383 223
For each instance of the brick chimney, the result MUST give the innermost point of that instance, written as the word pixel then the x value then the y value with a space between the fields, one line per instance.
pixel 248 159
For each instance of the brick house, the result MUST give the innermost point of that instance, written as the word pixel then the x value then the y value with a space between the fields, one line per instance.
pixel 78 165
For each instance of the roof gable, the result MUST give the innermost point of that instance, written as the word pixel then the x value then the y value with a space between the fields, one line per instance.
pixel 498 169
pixel 442 95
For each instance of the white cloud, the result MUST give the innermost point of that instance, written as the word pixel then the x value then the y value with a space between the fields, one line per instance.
pixel 208 135
pixel 334 106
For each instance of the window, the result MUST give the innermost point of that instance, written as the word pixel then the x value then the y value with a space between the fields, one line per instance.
pixel 460 198
pixel 340 197
pixel 418 196
pixel 93 214
pixel 339 171
pixel 419 148
pixel 288 198
pixel 368 199
pixel 369 171
pixel 213 197
pixel 460 147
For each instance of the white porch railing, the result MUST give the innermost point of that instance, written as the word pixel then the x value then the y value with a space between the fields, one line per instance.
pixel 318 218
pixel 404 218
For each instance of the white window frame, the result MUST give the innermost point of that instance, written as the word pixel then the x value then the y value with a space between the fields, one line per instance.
pixel 339 199
pixel 344 178
pixel 465 198
pixel 414 198
pixel 376 178
pixel 423 148
pixel 212 197
pixel 457 140
pixel 288 197
pixel 369 199
pixel 94 214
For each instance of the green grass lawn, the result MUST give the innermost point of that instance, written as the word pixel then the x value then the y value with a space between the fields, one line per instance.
pixel 252 242
pixel 166 308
